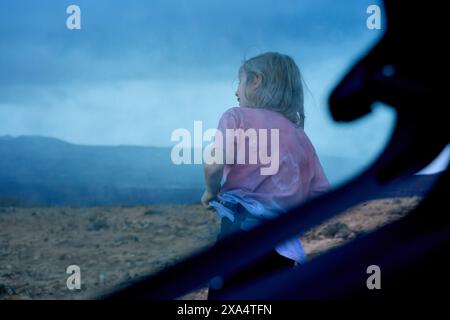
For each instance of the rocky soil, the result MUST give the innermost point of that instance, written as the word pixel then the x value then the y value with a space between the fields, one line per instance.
pixel 112 245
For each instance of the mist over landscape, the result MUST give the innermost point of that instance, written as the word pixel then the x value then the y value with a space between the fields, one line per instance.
pixel 48 171
pixel 86 115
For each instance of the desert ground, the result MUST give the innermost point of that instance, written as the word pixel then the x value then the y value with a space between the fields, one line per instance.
pixel 112 245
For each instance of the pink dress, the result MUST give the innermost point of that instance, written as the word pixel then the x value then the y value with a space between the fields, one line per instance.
pixel 299 175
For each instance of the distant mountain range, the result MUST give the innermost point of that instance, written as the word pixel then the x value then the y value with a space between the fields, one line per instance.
pixel 48 171
pixel 38 170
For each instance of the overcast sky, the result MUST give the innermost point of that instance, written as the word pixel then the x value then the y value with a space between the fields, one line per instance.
pixel 137 70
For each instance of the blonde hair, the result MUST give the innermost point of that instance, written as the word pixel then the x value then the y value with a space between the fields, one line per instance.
pixel 281 88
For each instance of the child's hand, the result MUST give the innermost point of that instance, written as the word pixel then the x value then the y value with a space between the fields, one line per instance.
pixel 206 198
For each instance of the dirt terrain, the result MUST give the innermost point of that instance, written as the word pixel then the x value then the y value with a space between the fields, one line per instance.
pixel 112 245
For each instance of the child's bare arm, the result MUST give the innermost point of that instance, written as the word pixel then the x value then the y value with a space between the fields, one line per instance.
pixel 213 178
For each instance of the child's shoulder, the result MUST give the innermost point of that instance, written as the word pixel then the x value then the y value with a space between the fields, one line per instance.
pixel 232 113
pixel 230 118
pixel 243 111
pixel 258 117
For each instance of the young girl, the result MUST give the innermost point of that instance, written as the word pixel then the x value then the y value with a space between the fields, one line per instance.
pixel 270 96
